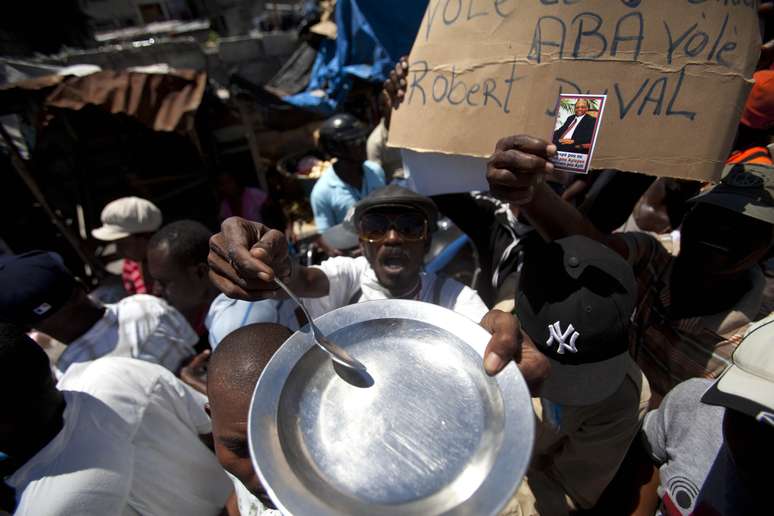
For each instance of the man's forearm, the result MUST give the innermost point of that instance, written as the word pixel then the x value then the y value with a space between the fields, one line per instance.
pixel 554 218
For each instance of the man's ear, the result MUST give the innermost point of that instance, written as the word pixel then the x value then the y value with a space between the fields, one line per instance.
pixel 207 409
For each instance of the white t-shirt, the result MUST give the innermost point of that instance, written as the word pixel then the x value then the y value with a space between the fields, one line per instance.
pixel 345 277
pixel 139 326
pixel 348 275
pixel 696 470
pixel 249 504
pixel 130 445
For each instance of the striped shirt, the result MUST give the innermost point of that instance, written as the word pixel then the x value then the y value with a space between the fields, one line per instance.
pixel 134 283
pixel 226 315
pixel 670 350
pixel 139 326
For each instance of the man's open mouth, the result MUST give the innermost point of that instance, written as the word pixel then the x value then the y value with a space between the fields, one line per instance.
pixel 394 263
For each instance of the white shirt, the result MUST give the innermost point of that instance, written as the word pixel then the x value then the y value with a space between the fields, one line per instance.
pixel 130 445
pixel 139 326
pixel 249 504
pixel 569 134
pixel 347 275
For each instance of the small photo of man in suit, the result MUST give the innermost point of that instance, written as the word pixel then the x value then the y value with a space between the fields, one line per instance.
pixel 577 132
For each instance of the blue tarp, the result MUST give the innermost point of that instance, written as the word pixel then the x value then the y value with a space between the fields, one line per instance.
pixel 372 36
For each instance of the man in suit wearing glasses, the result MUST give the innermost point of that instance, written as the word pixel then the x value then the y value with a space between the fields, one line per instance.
pixel 576 133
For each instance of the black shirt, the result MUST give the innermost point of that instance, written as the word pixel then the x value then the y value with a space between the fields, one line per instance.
pixel 496 234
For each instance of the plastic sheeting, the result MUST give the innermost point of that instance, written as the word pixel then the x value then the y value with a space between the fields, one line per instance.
pixel 372 36
pixel 162 101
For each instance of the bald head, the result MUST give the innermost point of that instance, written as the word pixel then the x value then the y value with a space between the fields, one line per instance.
pixel 581 107
pixel 240 358
pixel 234 369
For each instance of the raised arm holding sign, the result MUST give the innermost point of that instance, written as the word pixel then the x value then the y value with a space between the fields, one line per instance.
pixel 676 74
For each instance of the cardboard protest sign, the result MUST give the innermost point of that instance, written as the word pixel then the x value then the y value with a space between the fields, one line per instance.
pixel 676 74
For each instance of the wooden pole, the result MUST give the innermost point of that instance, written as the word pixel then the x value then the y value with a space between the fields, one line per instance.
pixel 252 143
pixel 276 16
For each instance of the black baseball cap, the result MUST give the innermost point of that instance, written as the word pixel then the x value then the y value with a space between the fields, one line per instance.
pixel 394 196
pixel 747 189
pixel 34 286
pixel 575 302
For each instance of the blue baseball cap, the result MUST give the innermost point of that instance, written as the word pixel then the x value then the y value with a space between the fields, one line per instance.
pixel 34 286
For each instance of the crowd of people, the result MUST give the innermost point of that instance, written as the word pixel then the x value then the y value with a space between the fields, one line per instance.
pixel 639 312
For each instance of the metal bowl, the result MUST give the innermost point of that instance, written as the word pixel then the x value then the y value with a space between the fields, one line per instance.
pixel 433 434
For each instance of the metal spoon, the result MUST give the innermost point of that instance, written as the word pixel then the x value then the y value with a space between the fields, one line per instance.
pixel 336 352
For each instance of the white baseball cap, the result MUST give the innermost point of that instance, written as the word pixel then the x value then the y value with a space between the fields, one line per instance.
pixel 127 216
pixel 747 386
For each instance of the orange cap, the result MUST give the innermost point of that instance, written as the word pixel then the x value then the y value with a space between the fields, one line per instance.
pixel 759 109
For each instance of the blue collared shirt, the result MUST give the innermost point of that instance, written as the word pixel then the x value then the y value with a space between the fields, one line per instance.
pixel 332 197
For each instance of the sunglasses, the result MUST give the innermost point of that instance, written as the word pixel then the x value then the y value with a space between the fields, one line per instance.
pixel 374 227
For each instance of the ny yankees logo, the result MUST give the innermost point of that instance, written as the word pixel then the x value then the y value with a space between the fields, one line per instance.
pixel 556 334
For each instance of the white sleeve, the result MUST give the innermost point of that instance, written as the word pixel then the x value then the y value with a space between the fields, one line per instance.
pixel 344 279
pixel 185 402
pixel 469 304
pixel 107 493
pixel 90 475
pixel 157 331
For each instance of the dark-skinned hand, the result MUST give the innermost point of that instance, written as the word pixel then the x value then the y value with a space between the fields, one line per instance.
pixel 396 84
pixel 518 165
pixel 195 373
pixel 245 257
pixel 508 343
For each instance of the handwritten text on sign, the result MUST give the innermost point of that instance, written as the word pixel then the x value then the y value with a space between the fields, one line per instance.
pixel 675 71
